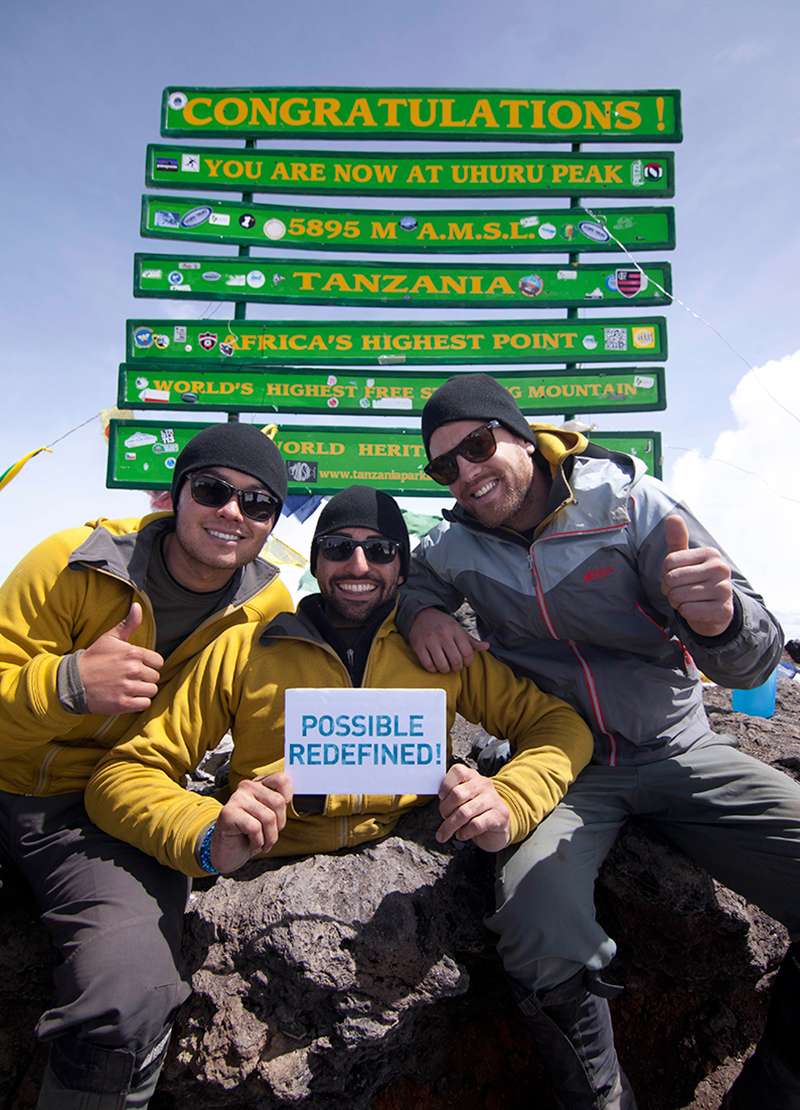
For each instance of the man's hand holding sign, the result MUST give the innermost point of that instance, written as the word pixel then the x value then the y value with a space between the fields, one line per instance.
pixel 473 810
pixel 250 822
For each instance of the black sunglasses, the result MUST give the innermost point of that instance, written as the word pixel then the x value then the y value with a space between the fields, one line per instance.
pixel 258 504
pixel 337 549
pixel 478 446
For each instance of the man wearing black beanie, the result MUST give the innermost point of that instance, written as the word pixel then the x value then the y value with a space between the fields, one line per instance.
pixel 473 397
pixel 588 576
pixel 363 507
pixel 243 447
pixel 358 592
pixel 93 622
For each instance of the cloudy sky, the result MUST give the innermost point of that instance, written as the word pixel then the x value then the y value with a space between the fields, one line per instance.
pixel 81 97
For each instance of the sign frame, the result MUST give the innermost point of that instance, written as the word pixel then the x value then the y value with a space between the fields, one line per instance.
pixel 608 115
pixel 398 453
pixel 406 285
pixel 374 173
pixel 470 342
pixel 380 393
pixel 449 231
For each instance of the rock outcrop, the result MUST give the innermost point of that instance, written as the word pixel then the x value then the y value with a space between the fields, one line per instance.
pixel 367 981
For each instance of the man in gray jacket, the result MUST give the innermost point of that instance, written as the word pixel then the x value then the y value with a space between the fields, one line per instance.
pixel 589 577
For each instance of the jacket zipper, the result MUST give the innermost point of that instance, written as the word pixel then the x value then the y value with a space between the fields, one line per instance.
pixel 585 668
pixel 359 800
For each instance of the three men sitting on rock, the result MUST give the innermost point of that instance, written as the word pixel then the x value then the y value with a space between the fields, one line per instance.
pixel 343 636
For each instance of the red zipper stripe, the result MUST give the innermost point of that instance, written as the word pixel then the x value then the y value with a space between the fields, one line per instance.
pixel 587 673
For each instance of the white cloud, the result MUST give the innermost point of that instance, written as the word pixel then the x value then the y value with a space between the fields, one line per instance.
pixel 748 492
pixel 744 52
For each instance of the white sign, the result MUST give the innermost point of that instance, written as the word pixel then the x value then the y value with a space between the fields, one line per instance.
pixel 366 741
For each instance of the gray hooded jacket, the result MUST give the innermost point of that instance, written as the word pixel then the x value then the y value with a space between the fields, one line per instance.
pixel 580 610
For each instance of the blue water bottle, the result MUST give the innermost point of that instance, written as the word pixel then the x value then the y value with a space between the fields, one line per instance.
pixel 758 702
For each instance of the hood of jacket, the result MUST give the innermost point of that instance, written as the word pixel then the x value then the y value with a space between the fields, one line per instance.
pixel 126 555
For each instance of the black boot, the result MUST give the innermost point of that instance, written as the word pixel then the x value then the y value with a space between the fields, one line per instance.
pixel 571 1025
pixel 83 1076
pixel 490 753
pixel 770 1080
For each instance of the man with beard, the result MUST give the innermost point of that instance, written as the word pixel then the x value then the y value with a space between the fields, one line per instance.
pixel 589 577
pixel 93 622
pixel 344 636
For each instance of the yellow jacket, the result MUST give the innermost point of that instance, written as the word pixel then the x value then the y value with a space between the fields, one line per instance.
pixel 67 591
pixel 239 683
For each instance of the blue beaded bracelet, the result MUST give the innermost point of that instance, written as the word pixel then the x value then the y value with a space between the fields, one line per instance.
pixel 205 853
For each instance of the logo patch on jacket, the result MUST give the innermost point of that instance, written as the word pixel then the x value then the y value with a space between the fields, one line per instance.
pixel 599 572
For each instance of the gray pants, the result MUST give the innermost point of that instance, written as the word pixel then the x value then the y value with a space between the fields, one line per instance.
pixel 736 817
pixel 115 916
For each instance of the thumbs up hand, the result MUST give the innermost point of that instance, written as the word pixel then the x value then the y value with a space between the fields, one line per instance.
pixel 119 677
pixel 696 581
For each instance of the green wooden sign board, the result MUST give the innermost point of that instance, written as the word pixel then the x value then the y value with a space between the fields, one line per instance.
pixel 260 343
pixel 510 115
pixel 142 455
pixel 645 174
pixel 351 392
pixel 401 285
pixel 407 230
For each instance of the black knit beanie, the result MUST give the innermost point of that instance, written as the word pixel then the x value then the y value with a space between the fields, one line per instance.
pixel 238 446
pixel 473 397
pixel 363 507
